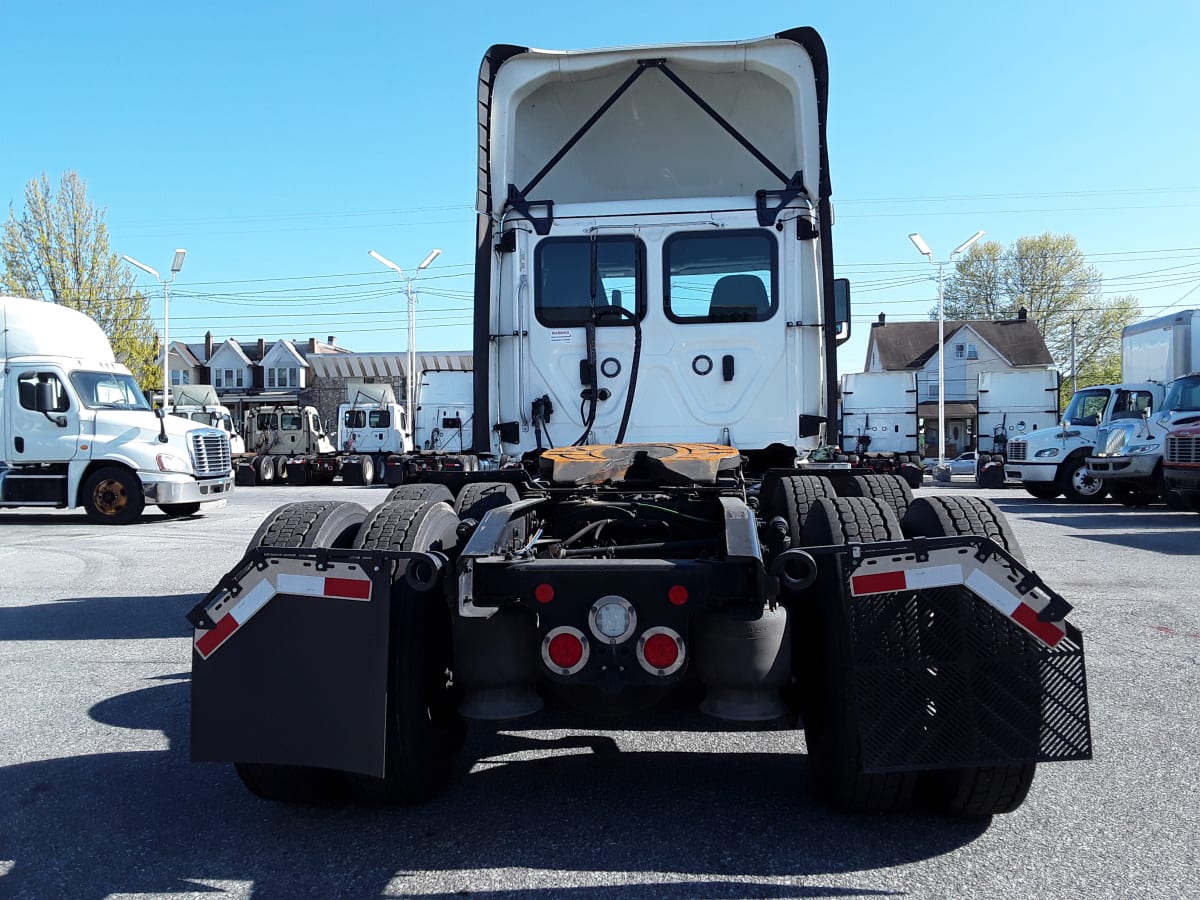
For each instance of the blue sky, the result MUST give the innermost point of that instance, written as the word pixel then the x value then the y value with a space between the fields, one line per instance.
pixel 278 143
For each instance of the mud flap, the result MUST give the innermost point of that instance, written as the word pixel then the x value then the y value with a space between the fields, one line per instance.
pixel 290 665
pixel 969 663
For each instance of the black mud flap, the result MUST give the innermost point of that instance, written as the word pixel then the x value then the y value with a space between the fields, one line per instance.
pixel 962 675
pixel 290 664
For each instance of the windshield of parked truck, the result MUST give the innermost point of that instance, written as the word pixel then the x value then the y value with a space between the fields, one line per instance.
pixel 1183 394
pixel 108 390
pixel 1087 406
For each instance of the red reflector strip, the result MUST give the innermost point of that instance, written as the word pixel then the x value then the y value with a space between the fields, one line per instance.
pixel 215 636
pixel 1047 632
pixel 348 588
pixel 879 583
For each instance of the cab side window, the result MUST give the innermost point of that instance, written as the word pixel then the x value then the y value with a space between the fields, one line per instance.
pixel 26 391
pixel 380 418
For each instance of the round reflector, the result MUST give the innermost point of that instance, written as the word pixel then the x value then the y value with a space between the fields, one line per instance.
pixel 660 651
pixel 678 595
pixel 543 593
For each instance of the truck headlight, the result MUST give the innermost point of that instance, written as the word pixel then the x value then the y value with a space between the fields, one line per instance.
pixel 1047 452
pixel 1144 448
pixel 169 462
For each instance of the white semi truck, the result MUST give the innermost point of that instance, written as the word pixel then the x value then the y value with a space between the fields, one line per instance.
pixel 443 429
pixel 879 424
pixel 655 260
pixel 199 403
pixel 78 431
pixel 1128 455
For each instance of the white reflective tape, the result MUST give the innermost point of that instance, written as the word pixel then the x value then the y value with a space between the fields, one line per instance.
pixel 307 585
pixel 252 601
pixel 993 592
pixel 933 576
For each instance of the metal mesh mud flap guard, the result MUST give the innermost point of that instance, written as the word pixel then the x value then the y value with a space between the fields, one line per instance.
pixel 960 656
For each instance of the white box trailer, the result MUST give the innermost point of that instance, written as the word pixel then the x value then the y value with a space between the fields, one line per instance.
pixel 1014 403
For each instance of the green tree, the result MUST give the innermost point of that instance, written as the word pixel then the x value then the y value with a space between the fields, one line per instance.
pixel 57 250
pixel 1048 276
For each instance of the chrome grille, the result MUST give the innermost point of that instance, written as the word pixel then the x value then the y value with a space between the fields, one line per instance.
pixel 1016 451
pixel 210 452
pixel 1182 448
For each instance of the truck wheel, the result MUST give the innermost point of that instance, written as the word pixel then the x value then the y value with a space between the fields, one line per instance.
pixel 306 524
pixel 368 470
pixel 310 523
pixel 954 515
pixel 891 488
pixel 380 463
pixel 477 498
pixel 264 469
pixel 281 468
pixel 792 498
pixel 830 720
pixel 1077 486
pixel 112 495
pixel 1043 490
pixel 425 732
pixel 420 491
pixel 975 790
pixel 177 510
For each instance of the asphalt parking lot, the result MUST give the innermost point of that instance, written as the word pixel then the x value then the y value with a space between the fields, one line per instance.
pixel 98 797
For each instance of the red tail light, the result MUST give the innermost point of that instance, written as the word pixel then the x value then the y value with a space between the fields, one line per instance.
pixel 543 593
pixel 678 595
pixel 565 650
pixel 660 651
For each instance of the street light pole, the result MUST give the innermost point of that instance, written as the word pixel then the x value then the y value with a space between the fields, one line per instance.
pixel 176 265
pixel 410 292
pixel 924 250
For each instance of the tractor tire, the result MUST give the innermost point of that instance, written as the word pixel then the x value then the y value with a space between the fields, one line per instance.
pixel 1077 486
pixel 792 498
pixel 308 524
pixel 179 510
pixel 424 730
pixel 264 469
pixel 479 497
pixel 420 491
pixel 1043 490
pixel 891 488
pixel 281 468
pixel 830 719
pixel 112 495
pixel 974 790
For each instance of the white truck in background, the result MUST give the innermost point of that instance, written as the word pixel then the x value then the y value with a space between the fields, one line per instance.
pixel 371 427
pixel 199 403
pixel 1011 404
pixel 277 434
pixel 78 431
pixel 443 428
pixel 879 422
pixel 1128 455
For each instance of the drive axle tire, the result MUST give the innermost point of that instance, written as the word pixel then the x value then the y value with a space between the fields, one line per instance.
pixel 792 499
pixel 891 488
pixel 417 491
pixel 829 708
pixel 305 524
pixel 424 730
pixel 973 790
pixel 112 495
pixel 264 469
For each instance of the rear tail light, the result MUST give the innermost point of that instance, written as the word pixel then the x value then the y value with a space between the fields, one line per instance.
pixel 612 619
pixel 660 651
pixel 565 650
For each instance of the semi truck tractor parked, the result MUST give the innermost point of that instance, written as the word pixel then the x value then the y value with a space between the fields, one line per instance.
pixel 371 427
pixel 1129 448
pixel 279 432
pixel 1011 404
pixel 443 429
pixel 78 431
pixel 655 262
pixel 879 423
pixel 199 403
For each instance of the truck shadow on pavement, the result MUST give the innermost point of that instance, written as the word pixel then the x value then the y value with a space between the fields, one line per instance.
pixel 99 618
pixel 88 826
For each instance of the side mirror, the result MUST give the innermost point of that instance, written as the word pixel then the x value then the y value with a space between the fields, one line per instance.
pixel 841 308
pixel 43 397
